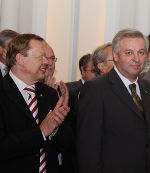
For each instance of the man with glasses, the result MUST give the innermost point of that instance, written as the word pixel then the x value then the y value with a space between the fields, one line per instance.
pixel 49 78
pixel 32 126
pixel 102 59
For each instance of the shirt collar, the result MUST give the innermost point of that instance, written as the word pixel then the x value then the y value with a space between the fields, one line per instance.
pixel 82 81
pixel 3 67
pixel 124 79
pixel 20 84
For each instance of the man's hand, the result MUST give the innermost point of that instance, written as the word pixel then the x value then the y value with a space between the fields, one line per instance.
pixel 64 93
pixel 51 81
pixel 54 118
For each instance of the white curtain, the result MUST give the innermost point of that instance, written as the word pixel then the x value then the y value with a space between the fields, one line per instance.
pixel 127 14
pixel 24 16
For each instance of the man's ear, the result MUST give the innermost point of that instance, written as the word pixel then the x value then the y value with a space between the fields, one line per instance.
pixel 82 72
pixel 19 59
pixel 115 56
pixel 101 67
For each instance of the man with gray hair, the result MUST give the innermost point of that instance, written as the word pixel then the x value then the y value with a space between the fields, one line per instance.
pixel 145 74
pixel 5 37
pixel 114 114
pixel 102 59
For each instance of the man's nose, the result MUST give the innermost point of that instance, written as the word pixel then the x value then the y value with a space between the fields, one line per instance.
pixel 136 57
pixel 45 61
pixel 50 61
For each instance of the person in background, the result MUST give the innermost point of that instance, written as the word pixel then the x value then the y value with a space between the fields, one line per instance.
pixel 87 73
pixel 32 126
pixel 113 117
pixel 49 79
pixel 5 37
pixel 102 59
pixel 145 74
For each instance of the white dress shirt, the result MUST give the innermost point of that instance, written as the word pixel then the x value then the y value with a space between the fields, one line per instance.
pixel 127 82
pixel 21 85
pixel 3 68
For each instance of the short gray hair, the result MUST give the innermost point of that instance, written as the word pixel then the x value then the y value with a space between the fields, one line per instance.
pixel 99 55
pixel 127 33
pixel 5 35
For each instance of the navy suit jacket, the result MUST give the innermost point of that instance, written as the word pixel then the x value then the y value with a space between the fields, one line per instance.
pixel 112 134
pixel 75 87
pixel 20 136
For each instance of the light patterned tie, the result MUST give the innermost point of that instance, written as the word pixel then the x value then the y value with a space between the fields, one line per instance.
pixel 32 104
pixel 135 97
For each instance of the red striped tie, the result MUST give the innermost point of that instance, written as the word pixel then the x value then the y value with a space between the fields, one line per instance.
pixel 32 104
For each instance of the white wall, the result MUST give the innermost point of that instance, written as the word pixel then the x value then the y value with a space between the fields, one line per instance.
pixel 59 35
pixel 24 16
pixel 91 27
pixel 39 17
pixel 9 14
pixel 127 14
pixel 74 28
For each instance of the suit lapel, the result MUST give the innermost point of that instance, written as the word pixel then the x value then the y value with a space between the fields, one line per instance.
pixel 13 94
pixel 121 91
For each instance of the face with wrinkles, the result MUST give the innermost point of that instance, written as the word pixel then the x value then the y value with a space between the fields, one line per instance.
pixel 131 59
pixel 35 63
pixel 51 62
pixel 89 73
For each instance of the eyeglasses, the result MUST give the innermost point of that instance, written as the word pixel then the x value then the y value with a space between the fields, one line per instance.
pixel 52 58
pixel 108 60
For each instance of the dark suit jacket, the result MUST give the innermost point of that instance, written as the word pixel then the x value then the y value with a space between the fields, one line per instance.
pixel 20 136
pixel 1 74
pixel 74 90
pixel 68 165
pixel 75 85
pixel 112 135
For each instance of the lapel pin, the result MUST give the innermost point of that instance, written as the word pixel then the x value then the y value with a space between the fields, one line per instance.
pixel 145 92
pixel 41 95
